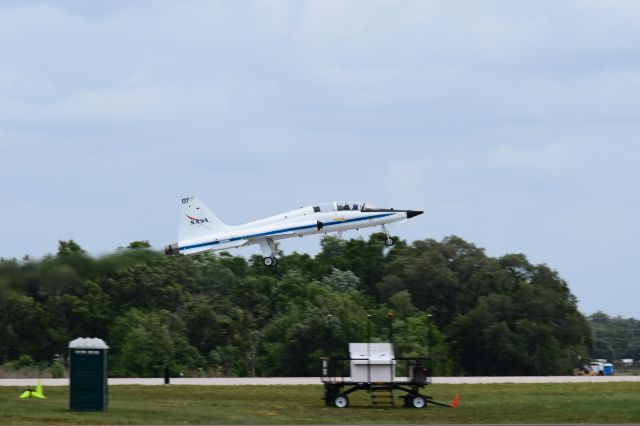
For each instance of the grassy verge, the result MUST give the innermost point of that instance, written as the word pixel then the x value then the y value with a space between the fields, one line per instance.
pixel 501 403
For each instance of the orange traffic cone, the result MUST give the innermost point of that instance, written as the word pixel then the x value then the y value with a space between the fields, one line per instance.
pixel 456 401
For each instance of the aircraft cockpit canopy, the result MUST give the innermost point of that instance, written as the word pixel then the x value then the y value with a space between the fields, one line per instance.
pixel 338 206
pixel 345 205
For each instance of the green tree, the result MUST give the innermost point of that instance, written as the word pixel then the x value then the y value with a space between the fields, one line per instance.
pixel 139 245
pixel 150 343
pixel 70 247
pixel 233 316
pixel 614 337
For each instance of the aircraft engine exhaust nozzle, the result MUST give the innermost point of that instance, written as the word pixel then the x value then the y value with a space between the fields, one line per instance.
pixel 413 213
pixel 171 249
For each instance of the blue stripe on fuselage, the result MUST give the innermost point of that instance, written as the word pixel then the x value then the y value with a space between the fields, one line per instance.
pixel 280 231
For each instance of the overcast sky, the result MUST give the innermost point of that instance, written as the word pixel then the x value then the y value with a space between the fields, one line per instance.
pixel 512 124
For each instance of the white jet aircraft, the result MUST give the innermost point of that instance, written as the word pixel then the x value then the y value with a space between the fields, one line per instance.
pixel 200 230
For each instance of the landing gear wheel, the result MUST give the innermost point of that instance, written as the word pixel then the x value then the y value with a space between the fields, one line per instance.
pixel 417 401
pixel 340 401
pixel 389 242
pixel 270 261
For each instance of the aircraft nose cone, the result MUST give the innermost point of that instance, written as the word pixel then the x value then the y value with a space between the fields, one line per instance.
pixel 413 213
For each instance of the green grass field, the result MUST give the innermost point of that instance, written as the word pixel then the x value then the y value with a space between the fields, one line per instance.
pixel 503 403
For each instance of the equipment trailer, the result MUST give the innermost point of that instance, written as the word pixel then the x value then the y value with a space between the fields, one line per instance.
pixel 372 368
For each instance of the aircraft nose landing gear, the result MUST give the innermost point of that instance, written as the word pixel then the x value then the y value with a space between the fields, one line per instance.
pixel 389 241
pixel 270 261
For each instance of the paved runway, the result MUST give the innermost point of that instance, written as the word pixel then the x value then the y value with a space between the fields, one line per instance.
pixel 236 381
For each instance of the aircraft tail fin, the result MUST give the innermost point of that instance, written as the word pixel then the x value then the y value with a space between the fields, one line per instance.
pixel 196 220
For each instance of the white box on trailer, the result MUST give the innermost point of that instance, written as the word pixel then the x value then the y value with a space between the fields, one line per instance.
pixel 372 362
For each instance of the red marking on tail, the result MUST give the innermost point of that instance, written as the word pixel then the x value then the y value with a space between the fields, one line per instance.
pixel 456 401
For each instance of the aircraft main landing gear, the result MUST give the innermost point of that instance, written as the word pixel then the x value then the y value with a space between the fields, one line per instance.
pixel 269 252
pixel 270 261
pixel 389 241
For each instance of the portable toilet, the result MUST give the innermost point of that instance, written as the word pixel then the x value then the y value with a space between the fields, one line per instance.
pixel 372 362
pixel 88 389
pixel 607 369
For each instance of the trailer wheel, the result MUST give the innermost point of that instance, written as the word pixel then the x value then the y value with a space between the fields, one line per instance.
pixel 417 401
pixel 340 401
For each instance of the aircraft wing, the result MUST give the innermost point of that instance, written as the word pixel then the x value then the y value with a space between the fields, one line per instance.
pixel 213 245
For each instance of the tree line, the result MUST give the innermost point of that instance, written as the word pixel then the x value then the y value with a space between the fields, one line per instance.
pixel 615 338
pixel 218 314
